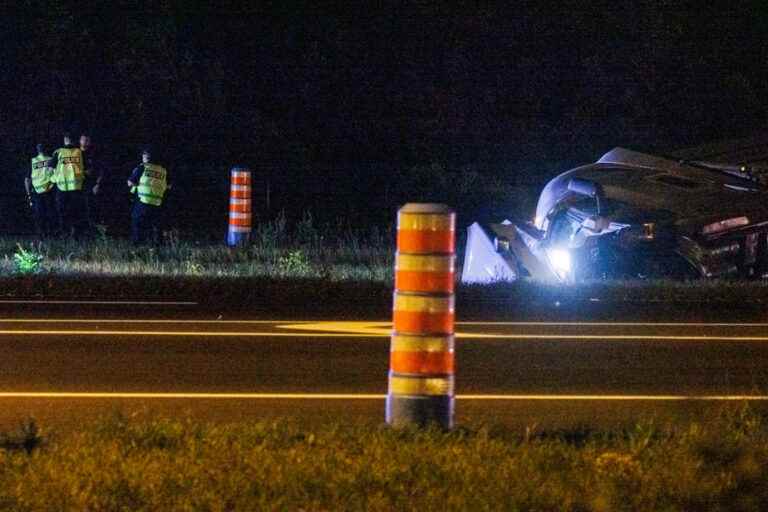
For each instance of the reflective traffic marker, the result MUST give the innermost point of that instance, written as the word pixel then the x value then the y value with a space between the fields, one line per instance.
pixel 240 207
pixel 424 273
pixel 421 366
pixel 422 314
pixel 422 355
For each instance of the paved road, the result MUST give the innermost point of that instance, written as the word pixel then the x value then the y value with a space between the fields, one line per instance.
pixel 64 369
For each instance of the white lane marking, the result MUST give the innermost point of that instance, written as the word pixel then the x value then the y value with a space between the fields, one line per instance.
pixel 475 336
pixel 105 302
pixel 364 396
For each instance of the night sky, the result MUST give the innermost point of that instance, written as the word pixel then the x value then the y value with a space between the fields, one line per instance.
pixel 530 89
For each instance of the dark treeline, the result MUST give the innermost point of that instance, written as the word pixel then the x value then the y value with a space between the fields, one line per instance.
pixel 292 89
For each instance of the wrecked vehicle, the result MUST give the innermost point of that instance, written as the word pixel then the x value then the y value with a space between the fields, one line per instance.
pixel 631 215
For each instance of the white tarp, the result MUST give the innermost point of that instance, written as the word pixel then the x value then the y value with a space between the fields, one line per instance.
pixel 482 262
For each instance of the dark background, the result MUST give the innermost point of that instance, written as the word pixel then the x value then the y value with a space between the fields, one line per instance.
pixel 350 112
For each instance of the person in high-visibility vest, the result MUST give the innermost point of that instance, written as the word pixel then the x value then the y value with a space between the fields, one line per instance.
pixel 39 187
pixel 149 181
pixel 68 177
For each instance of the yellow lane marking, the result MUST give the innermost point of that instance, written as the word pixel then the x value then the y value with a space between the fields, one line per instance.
pixel 669 398
pixel 135 321
pixel 366 328
pixel 621 324
pixel 217 396
pixel 188 334
pixel 363 396
pixel 385 329
pixel 609 337
pixel 474 336
pixel 355 325
pixel 361 329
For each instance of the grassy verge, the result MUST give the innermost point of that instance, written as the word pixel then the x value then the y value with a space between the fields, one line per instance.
pixel 336 253
pixel 121 463
pixel 303 265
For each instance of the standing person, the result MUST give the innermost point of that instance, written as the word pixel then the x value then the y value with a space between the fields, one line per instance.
pixel 39 187
pixel 68 177
pixel 149 181
pixel 94 174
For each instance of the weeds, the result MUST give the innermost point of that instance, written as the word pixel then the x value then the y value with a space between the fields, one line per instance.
pixel 278 248
pixel 28 261
pixel 339 252
pixel 102 232
pixel 295 263
pixel 27 438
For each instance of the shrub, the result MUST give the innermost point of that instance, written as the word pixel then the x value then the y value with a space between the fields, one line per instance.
pixel 295 263
pixel 28 261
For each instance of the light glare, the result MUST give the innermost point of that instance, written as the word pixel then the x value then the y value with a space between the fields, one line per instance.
pixel 561 262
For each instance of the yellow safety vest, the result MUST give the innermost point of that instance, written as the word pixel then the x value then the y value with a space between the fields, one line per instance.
pixel 152 184
pixel 42 174
pixel 69 173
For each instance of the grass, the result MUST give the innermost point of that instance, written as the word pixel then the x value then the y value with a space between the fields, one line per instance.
pixel 299 262
pixel 336 253
pixel 121 463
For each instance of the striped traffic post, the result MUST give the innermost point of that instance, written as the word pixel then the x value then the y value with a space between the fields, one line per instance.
pixel 240 207
pixel 421 376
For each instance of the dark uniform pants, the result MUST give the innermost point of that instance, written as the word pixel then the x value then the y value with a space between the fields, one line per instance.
pixel 93 208
pixel 144 222
pixel 72 215
pixel 44 213
pixel 92 204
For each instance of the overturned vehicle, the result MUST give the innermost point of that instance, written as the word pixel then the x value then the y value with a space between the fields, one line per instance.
pixel 631 215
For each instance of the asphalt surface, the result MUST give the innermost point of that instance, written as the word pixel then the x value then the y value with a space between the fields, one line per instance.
pixel 67 362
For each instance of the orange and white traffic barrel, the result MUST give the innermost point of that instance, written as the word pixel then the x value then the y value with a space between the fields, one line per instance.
pixel 421 366
pixel 240 207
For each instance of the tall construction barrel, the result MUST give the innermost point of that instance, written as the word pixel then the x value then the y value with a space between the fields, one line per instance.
pixel 240 207
pixel 421 375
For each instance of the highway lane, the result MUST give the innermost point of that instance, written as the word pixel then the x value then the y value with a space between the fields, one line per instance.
pixel 54 367
pixel 469 308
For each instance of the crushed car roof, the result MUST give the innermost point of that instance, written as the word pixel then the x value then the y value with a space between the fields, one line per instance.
pixel 656 183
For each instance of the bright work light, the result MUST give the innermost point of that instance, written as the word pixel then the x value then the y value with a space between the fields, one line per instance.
pixel 561 262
